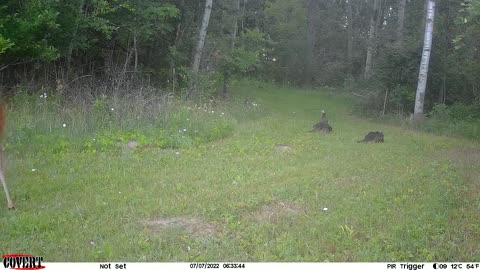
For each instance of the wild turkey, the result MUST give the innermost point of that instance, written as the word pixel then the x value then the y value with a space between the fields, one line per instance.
pixel 322 125
pixel 373 137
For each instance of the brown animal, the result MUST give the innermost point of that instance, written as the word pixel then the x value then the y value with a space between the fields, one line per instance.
pixel 322 125
pixel 3 119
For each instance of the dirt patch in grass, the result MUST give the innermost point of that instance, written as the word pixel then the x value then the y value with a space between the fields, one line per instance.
pixel 195 226
pixel 274 213
pixel 283 148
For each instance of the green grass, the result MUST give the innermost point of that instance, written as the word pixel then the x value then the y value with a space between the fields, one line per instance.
pixel 398 201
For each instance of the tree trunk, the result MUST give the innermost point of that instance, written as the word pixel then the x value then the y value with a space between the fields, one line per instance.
pixel 371 40
pixel 68 60
pixel 173 63
pixel 423 73
pixel 243 15
pixel 128 56
pixel 201 42
pixel 236 15
pixel 203 33
pixel 225 84
pixel 235 23
pixel 68 57
pixel 401 20
pixel 312 9
pixel 135 66
pixel 447 37
pixel 350 36
pixel 443 90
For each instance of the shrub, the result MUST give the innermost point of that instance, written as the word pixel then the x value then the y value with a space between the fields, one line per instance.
pixel 457 119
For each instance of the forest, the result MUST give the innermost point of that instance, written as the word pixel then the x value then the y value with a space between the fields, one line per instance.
pixel 77 48
pixel 181 128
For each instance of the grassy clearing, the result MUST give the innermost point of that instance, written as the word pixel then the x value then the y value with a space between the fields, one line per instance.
pixel 236 199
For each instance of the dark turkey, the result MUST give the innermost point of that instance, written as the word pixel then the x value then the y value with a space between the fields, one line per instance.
pixel 373 137
pixel 322 125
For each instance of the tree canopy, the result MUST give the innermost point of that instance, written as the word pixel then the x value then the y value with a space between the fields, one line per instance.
pixel 367 45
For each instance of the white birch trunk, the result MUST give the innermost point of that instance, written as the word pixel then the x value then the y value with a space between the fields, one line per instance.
pixel 203 33
pixel 423 73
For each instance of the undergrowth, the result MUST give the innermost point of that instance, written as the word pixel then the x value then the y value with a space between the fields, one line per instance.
pixel 48 125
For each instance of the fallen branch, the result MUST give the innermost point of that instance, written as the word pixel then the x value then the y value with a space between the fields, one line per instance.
pixel 358 95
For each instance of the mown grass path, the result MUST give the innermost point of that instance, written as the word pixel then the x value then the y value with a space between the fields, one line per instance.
pixel 239 200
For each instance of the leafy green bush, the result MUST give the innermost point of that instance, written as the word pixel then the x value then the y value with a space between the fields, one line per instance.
pixel 457 119
pixel 457 111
